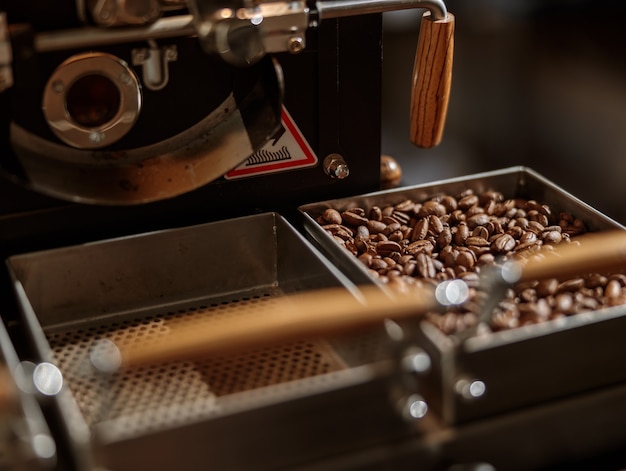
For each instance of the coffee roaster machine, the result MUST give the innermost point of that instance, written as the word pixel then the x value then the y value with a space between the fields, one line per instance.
pixel 158 157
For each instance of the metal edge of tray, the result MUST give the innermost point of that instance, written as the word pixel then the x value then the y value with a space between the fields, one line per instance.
pixel 34 447
pixel 374 423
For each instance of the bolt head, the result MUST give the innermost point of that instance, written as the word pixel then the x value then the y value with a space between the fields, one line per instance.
pixel 295 44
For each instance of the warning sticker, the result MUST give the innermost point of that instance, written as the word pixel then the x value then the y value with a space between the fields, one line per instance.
pixel 287 150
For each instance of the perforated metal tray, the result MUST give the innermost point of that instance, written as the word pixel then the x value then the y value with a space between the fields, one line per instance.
pixel 521 367
pixel 263 409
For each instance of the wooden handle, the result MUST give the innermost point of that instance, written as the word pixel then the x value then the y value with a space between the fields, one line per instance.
pixel 432 78
pixel 594 252
pixel 295 317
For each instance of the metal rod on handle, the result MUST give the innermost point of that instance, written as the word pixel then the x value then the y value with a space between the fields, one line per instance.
pixel 341 8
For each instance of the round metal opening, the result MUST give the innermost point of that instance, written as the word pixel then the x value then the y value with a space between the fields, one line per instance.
pixel 93 100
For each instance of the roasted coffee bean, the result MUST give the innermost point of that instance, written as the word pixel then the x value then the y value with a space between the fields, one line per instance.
pixel 462 233
pixel 528 236
pixel 477 220
pixel 431 207
pixel 467 202
pixel 375 213
pixel 392 226
pixel 515 231
pixel 362 231
pixel 405 206
pixel 360 242
pixel 366 259
pixel 378 264
pixel 332 216
pixel 477 241
pixel 551 237
pixel 420 246
pixel 409 267
pixel 564 302
pixel 613 289
pixel 396 236
pixel 444 238
pixel 505 320
pixel 528 246
pixel 528 295
pixel 420 229
pixel 466 259
pixel 481 231
pixel 503 243
pixel 448 256
pixel 436 226
pixel 353 218
pixel 586 303
pixel 386 247
pixel 425 265
pixel 574 284
pixel 547 287
pixel 536 227
pixel 380 237
pixel 486 259
pixel 401 217
pixel 619 277
pixel 456 216
pixel 351 247
pixel 375 227
pixel 449 202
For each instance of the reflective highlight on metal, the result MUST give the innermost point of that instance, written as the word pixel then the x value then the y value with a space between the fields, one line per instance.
pixel 105 356
pixel 470 388
pixel 336 167
pixel 417 360
pixel 48 379
pixel 44 446
pixel 451 292
pixel 511 272
pixel 337 9
pixel 416 407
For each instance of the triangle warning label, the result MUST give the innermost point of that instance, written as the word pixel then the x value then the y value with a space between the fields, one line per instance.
pixel 287 150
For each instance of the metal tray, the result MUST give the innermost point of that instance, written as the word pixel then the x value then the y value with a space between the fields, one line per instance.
pixel 513 369
pixel 218 411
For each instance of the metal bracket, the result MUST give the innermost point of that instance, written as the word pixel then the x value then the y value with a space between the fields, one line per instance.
pixel 154 62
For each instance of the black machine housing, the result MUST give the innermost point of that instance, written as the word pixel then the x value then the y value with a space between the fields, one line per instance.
pixel 332 91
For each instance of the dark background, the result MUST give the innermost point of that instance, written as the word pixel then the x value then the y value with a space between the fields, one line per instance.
pixel 535 83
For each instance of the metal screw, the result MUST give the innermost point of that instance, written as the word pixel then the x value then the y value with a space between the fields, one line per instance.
pixel 416 360
pixel 470 389
pixel 171 53
pixel 336 167
pixel 96 137
pixel 125 78
pixel 295 44
pixel 58 86
pixel 414 407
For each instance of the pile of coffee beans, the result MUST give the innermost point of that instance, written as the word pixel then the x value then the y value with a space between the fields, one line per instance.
pixel 451 237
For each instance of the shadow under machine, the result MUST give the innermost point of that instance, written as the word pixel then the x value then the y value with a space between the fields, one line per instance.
pixel 168 167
